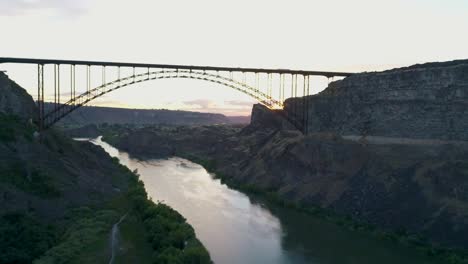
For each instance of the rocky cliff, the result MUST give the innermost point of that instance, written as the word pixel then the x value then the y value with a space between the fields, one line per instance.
pixel 14 100
pixel 427 101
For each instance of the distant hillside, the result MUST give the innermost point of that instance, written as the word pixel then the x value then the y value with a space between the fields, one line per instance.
pixel 239 119
pixel 97 115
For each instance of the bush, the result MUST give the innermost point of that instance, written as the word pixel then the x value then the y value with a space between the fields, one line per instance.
pixel 36 181
pixel 172 238
pixel 23 238
pixel 85 227
pixel 12 127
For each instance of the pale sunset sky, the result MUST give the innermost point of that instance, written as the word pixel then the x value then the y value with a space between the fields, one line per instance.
pixel 328 35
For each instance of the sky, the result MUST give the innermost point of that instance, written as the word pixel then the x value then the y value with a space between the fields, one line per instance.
pixel 331 35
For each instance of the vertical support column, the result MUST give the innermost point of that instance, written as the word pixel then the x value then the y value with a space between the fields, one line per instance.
pixel 53 113
pixel 304 107
pixel 257 82
pixel 59 107
pixel 40 96
pixel 269 88
pixel 295 85
pixel 71 84
pixel 74 84
pixel 292 85
pixel 88 80
pixel 55 87
pixel 58 84
pixel 103 75
pixel 307 104
pixel 118 75
pixel 295 101
pixel 281 88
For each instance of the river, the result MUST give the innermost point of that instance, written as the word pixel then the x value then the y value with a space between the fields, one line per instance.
pixel 236 228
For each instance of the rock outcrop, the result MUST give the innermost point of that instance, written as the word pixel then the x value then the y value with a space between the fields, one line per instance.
pixel 428 101
pixel 14 100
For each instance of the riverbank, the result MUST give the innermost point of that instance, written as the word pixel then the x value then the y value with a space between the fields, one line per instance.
pixel 215 156
pixel 258 231
pixel 414 241
pixel 171 238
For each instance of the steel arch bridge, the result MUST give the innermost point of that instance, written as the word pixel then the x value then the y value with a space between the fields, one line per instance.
pixel 271 93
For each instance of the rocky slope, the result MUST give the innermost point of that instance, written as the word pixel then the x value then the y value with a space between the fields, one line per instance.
pixel 416 185
pixel 78 173
pixel 14 100
pixel 59 198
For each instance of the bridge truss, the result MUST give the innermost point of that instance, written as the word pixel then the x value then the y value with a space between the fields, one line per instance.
pixel 268 86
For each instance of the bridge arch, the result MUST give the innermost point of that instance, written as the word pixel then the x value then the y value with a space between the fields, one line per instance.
pixel 62 110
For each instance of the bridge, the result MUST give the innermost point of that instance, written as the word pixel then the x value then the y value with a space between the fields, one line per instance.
pixel 271 87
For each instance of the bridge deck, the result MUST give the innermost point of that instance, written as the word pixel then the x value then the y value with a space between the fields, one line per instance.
pixel 171 66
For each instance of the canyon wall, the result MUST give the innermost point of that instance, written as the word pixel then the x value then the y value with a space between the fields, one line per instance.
pixel 428 101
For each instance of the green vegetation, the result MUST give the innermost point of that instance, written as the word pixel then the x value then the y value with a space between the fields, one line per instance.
pixel 13 127
pixel 87 232
pixel 23 238
pixel 416 241
pixel 151 233
pixel 33 181
pixel 133 245
pixel 172 239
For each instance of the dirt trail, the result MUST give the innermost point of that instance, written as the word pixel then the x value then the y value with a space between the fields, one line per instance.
pixel 114 239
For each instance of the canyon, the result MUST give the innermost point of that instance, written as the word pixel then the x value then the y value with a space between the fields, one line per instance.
pixel 387 149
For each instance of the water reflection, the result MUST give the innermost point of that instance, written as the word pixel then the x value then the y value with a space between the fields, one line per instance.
pixel 236 229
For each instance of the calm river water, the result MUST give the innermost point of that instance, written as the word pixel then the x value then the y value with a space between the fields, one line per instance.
pixel 238 229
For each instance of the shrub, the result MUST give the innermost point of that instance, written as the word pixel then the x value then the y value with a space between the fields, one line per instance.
pixel 172 238
pixel 23 238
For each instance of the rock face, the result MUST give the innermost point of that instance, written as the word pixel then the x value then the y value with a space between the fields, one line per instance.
pixel 428 101
pixel 14 99
pixel 263 118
